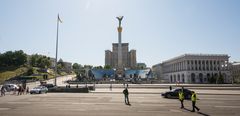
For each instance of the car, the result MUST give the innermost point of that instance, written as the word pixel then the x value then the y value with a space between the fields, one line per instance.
pixel 174 93
pixel 11 87
pixel 48 85
pixel 39 90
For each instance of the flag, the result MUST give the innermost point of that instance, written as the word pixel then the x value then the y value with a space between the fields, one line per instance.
pixel 59 19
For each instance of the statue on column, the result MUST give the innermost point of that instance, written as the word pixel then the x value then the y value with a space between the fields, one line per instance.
pixel 120 20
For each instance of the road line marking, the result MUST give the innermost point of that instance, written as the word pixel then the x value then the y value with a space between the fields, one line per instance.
pixel 18 102
pixel 173 110
pixel 1 109
pixel 149 111
pixel 227 106
pixel 73 109
pixel 95 103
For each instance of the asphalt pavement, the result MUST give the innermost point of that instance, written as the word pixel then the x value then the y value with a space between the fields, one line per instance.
pixel 111 104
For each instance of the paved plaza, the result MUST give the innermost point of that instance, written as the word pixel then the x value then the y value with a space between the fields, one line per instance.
pixel 111 104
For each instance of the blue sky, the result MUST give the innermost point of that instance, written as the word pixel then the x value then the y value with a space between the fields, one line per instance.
pixel 157 29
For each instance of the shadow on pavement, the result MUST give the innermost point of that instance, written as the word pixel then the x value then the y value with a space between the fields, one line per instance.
pixel 187 109
pixel 197 112
pixel 203 114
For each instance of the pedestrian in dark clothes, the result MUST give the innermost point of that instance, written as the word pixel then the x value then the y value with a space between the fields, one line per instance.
pixel 126 99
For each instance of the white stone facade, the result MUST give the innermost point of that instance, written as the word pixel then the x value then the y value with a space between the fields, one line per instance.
pixel 235 71
pixel 195 68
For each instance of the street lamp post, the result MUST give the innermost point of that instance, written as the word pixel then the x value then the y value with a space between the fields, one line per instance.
pixel 55 80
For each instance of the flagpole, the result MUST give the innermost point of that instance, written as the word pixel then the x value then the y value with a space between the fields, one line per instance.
pixel 55 80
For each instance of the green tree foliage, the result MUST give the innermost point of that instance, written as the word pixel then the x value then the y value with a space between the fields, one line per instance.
pixel 76 66
pixel 30 71
pixel 220 79
pixel 40 61
pixel 107 67
pixel 98 67
pixel 88 66
pixel 60 64
pixel 212 79
pixel 16 58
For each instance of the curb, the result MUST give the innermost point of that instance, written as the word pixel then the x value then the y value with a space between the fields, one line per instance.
pixel 157 93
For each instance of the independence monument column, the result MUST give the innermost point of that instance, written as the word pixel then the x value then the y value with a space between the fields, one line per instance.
pixel 119 67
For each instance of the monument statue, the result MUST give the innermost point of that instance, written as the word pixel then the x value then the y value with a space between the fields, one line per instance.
pixel 120 20
pixel 120 65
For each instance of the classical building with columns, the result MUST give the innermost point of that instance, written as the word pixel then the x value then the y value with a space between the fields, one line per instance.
pixel 235 71
pixel 194 68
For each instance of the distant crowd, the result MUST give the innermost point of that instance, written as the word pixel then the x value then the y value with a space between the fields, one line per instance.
pixel 13 89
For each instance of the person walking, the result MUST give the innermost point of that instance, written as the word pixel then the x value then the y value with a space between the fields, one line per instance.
pixel 170 88
pixel 181 97
pixel 110 87
pixel 194 99
pixel 27 90
pixel 126 99
pixel 3 91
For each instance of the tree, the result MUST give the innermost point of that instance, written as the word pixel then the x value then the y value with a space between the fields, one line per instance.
pixel 60 64
pixel 20 58
pixel 16 58
pixel 212 79
pixel 88 66
pixel 30 71
pixel 40 61
pixel 98 67
pixel 107 67
pixel 220 79
pixel 76 66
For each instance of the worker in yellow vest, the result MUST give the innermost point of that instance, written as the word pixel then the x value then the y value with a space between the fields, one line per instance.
pixel 194 99
pixel 181 97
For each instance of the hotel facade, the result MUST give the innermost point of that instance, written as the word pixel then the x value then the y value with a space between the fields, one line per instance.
pixel 128 57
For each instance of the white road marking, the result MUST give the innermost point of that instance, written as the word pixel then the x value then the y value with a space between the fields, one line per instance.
pixel 153 105
pixel 149 111
pixel 227 106
pixel 18 102
pixel 73 109
pixel 4 109
pixel 96 103
pixel 173 110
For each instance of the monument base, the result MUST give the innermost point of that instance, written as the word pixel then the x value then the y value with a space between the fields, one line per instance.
pixel 120 73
